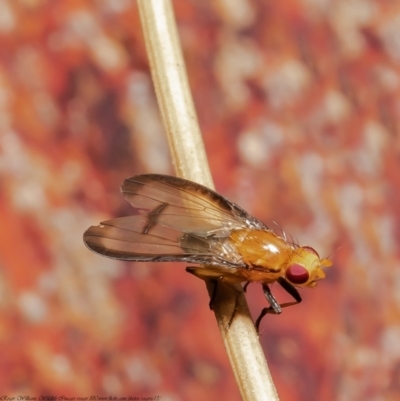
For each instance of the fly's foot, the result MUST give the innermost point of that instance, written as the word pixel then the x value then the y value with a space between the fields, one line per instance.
pixel 265 311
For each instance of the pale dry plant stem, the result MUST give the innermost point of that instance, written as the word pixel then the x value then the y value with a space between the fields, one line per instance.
pixel 180 122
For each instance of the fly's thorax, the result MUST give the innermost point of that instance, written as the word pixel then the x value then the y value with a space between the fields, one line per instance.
pixel 304 267
pixel 262 248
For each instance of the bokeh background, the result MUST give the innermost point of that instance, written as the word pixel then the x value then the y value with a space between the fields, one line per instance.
pixel 299 104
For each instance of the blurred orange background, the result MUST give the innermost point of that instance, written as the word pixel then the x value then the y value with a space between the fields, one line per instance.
pixel 299 104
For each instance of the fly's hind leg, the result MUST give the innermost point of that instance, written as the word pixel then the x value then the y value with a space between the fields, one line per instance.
pixel 208 276
pixel 216 283
pixel 275 308
pixel 215 277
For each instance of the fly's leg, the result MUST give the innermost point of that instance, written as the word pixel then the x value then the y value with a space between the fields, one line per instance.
pixel 234 309
pixel 213 294
pixel 215 278
pixel 290 290
pixel 211 278
pixel 276 308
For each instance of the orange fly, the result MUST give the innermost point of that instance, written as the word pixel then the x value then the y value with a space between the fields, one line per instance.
pixel 179 220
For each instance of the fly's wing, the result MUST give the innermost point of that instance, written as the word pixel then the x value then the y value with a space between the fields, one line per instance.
pixel 185 205
pixel 125 239
pixel 175 220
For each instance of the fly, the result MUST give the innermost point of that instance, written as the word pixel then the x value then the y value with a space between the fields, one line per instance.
pixel 179 220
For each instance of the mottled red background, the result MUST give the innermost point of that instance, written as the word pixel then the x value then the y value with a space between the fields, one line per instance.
pixel 299 104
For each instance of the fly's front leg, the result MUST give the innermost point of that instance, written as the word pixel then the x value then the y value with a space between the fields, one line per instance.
pixel 291 290
pixel 276 308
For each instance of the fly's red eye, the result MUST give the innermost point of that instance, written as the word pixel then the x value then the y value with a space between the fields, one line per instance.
pixel 297 274
pixel 311 250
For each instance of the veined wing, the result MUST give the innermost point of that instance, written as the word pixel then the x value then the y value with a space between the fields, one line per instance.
pixel 186 205
pixel 176 220
pixel 124 239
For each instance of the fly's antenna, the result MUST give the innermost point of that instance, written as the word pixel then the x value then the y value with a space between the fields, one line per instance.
pixel 333 252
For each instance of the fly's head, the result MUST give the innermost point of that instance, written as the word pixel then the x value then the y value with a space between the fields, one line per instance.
pixel 305 267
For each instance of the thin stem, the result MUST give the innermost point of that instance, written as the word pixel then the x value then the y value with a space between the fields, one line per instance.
pixel 180 121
